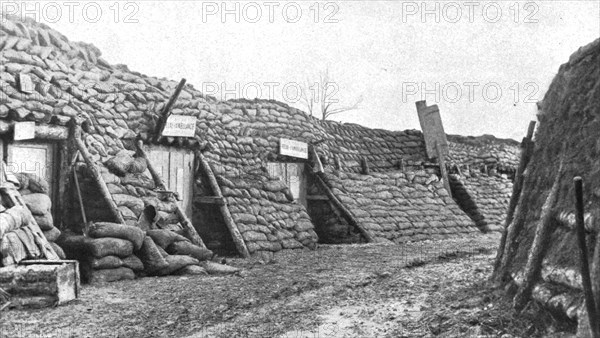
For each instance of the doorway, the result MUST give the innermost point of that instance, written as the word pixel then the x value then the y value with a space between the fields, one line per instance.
pixel 294 177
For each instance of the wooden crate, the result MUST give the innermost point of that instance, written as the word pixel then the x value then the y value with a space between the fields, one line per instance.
pixel 37 284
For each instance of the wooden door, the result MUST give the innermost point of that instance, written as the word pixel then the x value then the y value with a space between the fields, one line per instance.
pixel 175 167
pixel 34 158
pixel 293 176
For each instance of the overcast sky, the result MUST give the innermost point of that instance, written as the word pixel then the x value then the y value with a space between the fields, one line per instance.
pixel 392 53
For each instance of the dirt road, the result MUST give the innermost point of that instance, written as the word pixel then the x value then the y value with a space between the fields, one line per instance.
pixel 335 291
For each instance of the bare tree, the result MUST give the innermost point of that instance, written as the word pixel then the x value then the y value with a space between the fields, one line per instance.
pixel 321 98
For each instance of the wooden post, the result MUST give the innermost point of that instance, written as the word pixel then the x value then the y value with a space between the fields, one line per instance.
pixel 539 245
pixel 345 212
pixel 526 149
pixel 364 164
pixel 443 171
pixel 164 114
pixel 188 227
pixel 318 166
pixel 583 256
pixel 87 157
pixel 238 240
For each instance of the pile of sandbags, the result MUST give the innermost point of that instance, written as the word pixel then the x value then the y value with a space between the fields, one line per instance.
pixel 124 163
pixel 114 252
pixel 17 241
pixel 35 192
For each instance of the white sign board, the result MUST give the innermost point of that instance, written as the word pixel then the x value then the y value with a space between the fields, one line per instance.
pixel 180 126
pixel 24 131
pixel 25 83
pixel 293 148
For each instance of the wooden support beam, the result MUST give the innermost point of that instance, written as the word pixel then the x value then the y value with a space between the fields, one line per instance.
pixel 586 282
pixel 338 204
pixel 42 131
pixel 165 112
pixel 93 169
pixel 210 200
pixel 442 162
pixel 364 165
pixel 317 197
pixel 187 225
pixel 526 151
pixel 238 240
pixel 540 244
pixel 317 165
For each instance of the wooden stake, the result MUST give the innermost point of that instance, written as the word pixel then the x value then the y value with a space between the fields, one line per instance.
pixel 443 171
pixel 164 114
pixel 188 227
pixel 78 189
pixel 583 256
pixel 91 165
pixel 238 240
pixel 526 150
pixel 540 244
pixel 364 164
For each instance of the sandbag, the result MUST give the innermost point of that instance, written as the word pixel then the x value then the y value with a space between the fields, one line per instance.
pixel 45 221
pixel 12 219
pixel 28 240
pixel 24 192
pixel 38 184
pixel 134 203
pixel 23 181
pixel 193 270
pixel 12 249
pixel 59 251
pixel 111 275
pixel 106 229
pixel 189 249
pixel 138 180
pixel 119 165
pixel 108 262
pixel 162 251
pixel 164 238
pixel 150 256
pixel 52 234
pixel 177 262
pixel 38 204
pixel 102 247
pixel 138 166
pixel 74 246
pixel 218 269
pixel 133 262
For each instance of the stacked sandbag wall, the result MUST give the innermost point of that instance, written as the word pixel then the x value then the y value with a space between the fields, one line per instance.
pixel 35 191
pixel 113 252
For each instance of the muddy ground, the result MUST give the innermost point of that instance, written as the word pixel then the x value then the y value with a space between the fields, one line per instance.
pixel 425 289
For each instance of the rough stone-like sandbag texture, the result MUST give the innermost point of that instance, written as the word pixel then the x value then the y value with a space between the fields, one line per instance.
pixel 133 262
pixel 107 262
pixel 570 118
pixel 111 275
pixel 187 248
pixel 192 270
pixel 177 262
pixel 482 151
pixel 52 235
pixel 59 251
pixel 490 196
pixel 151 257
pixel 401 206
pixel 46 222
pixel 164 238
pixel 106 229
pixel 37 184
pixel 78 247
pixel 39 204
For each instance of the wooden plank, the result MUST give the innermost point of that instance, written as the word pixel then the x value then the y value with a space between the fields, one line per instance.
pixel 317 197
pixel 432 127
pixel 443 171
pixel 210 200
pixel 526 151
